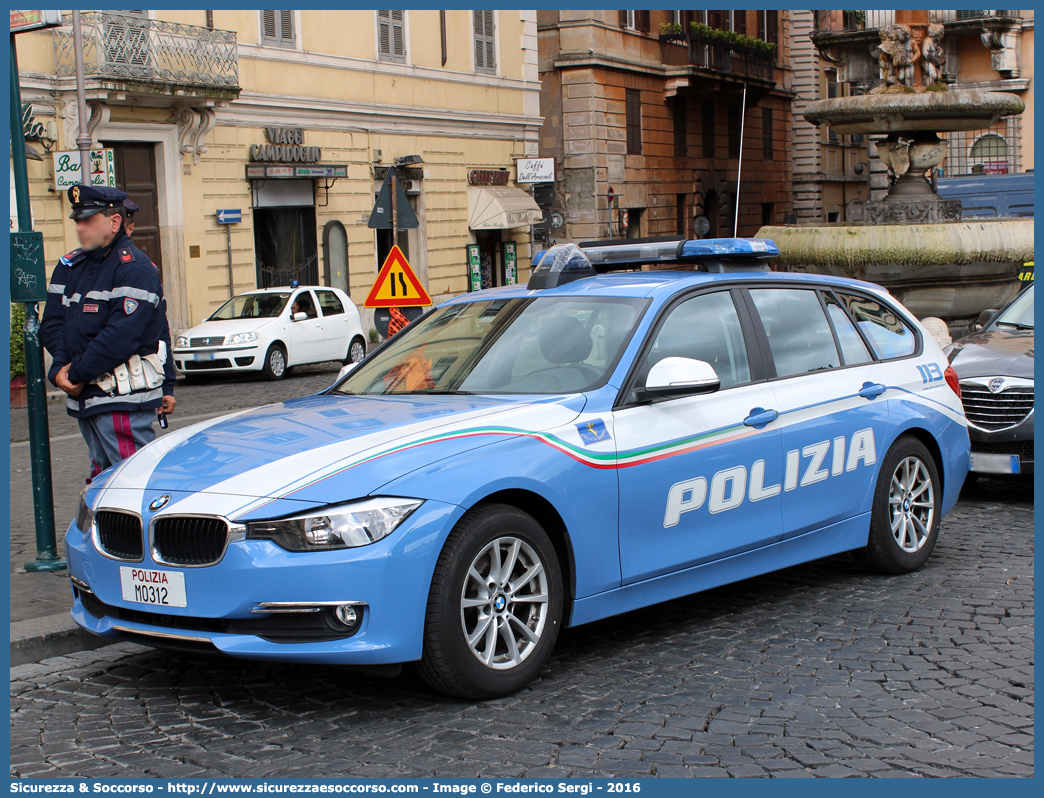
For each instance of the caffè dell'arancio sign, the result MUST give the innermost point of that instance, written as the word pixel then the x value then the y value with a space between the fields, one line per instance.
pixel 285 145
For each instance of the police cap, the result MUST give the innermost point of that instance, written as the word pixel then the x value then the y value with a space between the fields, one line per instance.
pixel 131 206
pixel 89 200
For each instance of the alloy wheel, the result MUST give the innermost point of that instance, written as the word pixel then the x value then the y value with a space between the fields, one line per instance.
pixel 503 606
pixel 911 504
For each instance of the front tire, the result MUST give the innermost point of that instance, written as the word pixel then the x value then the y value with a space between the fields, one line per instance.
pixel 907 510
pixel 495 606
pixel 275 363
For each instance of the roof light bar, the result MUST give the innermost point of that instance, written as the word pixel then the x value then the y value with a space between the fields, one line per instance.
pixel 631 253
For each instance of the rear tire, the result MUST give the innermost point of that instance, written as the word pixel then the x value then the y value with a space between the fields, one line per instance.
pixel 482 638
pixel 275 362
pixel 356 351
pixel 907 510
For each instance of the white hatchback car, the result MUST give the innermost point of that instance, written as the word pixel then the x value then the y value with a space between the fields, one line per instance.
pixel 271 330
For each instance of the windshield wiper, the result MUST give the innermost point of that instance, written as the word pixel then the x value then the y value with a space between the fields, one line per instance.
pixel 436 392
pixel 1015 324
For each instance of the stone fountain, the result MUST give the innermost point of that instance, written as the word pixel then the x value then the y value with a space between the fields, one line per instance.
pixel 914 242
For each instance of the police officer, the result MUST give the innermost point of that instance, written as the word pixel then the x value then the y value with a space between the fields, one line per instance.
pixel 168 396
pixel 104 305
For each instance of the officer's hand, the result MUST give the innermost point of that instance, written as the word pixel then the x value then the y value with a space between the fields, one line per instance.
pixel 168 405
pixel 62 379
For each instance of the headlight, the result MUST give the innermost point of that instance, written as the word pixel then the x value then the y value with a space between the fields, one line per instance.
pixel 84 515
pixel 242 338
pixel 343 527
pixel 182 342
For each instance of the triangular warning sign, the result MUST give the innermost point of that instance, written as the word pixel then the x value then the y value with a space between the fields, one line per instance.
pixel 396 285
pixel 380 216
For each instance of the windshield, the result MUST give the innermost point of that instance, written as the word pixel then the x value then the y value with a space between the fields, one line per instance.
pixel 1018 314
pixel 251 306
pixel 546 345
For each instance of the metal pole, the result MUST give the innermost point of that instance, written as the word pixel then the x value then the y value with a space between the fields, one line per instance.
pixel 39 439
pixel 393 182
pixel 228 241
pixel 83 140
pixel 739 169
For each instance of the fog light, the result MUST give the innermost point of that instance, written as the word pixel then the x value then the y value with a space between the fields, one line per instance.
pixel 346 614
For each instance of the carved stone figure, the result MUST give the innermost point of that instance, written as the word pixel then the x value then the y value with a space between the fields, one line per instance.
pixel 885 60
pixel 932 56
pixel 904 55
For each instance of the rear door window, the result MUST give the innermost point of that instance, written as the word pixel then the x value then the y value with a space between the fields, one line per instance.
pixel 888 335
pixel 798 333
pixel 329 302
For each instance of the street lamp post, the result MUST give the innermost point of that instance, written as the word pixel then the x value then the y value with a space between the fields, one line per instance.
pixel 83 140
pixel 46 558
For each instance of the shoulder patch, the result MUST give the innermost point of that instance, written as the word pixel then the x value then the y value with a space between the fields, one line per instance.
pixel 126 256
pixel 130 305
pixel 73 258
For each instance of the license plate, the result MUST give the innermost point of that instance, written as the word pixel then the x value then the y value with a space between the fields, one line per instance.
pixel 203 356
pixel 159 588
pixel 995 463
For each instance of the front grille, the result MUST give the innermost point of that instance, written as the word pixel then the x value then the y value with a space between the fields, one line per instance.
pixel 303 627
pixel 203 365
pixel 214 341
pixel 1024 449
pixel 993 411
pixel 119 534
pixel 188 540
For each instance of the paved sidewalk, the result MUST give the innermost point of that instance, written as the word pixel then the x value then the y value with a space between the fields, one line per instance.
pixel 38 595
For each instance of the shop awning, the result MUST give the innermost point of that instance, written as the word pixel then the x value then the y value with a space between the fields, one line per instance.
pixel 501 208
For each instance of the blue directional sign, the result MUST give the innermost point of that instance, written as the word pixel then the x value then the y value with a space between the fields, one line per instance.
pixel 230 216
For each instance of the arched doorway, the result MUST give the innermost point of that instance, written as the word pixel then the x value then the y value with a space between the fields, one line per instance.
pixel 335 256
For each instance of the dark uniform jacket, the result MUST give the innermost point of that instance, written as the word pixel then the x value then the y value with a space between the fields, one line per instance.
pixel 103 307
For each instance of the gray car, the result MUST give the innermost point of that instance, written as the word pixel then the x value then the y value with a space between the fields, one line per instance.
pixel 995 368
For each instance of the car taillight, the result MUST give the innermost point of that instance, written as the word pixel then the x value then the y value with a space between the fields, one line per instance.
pixel 952 381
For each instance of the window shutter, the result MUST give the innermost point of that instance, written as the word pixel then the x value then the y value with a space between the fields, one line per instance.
pixel 681 144
pixel 716 19
pixel 735 126
pixel 739 21
pixel 485 49
pixel 767 149
pixel 707 111
pixel 623 19
pixel 642 21
pixel 761 24
pixel 772 26
pixel 286 26
pixel 633 98
pixel 391 35
pixel 268 24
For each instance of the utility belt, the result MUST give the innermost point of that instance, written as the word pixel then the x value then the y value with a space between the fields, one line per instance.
pixel 140 373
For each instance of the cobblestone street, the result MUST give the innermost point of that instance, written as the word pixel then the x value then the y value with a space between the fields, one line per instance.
pixel 820 670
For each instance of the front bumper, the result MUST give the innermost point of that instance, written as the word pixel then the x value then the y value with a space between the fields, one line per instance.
pixel 388 581
pixel 1015 441
pixel 196 361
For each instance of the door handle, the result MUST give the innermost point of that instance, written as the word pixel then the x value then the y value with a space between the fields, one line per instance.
pixel 759 417
pixel 871 390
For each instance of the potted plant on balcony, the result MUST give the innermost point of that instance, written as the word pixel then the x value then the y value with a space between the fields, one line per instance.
pixel 18 392
pixel 738 41
pixel 672 32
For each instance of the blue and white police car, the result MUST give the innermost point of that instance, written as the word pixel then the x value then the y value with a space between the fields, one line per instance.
pixel 521 459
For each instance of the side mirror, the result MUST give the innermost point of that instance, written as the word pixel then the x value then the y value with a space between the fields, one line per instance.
pixel 681 376
pixel 299 316
pixel 344 370
pixel 984 319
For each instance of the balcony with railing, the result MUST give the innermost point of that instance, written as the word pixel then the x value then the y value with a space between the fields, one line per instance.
pixel 712 55
pixel 151 55
pixel 840 22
